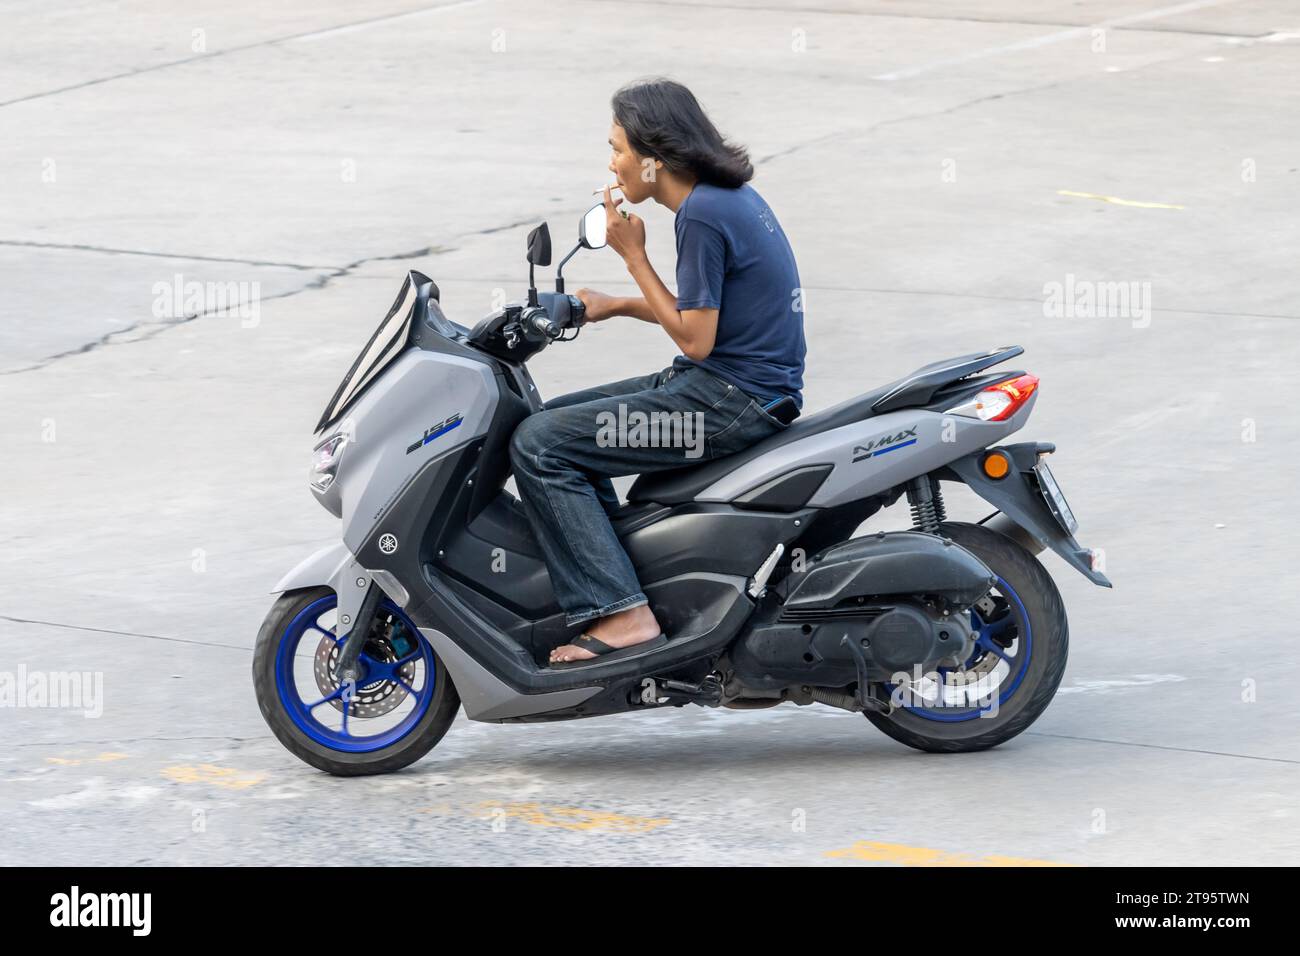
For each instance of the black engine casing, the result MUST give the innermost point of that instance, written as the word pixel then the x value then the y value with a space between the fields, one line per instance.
pixel 886 592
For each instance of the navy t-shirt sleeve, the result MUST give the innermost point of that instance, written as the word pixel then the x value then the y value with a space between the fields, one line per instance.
pixel 701 265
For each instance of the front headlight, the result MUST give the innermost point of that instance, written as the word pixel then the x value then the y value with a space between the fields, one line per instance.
pixel 325 460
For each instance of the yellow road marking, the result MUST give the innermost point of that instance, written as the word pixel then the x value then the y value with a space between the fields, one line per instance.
pixel 904 855
pixel 226 777
pixel 77 761
pixel 1119 202
pixel 571 818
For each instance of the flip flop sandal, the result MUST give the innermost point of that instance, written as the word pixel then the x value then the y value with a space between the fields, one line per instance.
pixel 604 652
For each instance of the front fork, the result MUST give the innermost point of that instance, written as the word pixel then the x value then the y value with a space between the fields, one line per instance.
pixel 356 639
pixel 358 591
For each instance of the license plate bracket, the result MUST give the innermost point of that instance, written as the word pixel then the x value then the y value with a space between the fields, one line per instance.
pixel 1055 498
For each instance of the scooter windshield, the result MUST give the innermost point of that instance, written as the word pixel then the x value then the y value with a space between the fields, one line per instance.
pixel 389 341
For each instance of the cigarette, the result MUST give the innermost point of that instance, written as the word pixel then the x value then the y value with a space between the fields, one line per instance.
pixel 612 186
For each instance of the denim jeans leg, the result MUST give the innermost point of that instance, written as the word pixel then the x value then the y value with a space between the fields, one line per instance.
pixel 604 487
pixel 557 451
pixel 591 574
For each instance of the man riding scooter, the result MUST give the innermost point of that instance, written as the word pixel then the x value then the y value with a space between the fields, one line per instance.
pixel 737 319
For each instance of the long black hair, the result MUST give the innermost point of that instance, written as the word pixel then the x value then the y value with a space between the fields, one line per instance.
pixel 663 120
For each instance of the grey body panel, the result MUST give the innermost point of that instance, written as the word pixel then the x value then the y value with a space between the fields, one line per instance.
pixel 320 567
pixel 932 440
pixel 487 697
pixel 419 390
pixel 484 695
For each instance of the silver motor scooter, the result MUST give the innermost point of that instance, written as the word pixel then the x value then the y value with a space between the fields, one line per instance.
pixel 948 637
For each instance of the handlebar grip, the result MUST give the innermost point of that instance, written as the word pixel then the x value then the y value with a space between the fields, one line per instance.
pixel 577 311
pixel 543 324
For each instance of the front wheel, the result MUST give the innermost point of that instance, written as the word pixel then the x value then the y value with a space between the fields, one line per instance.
pixel 392 715
pixel 1014 670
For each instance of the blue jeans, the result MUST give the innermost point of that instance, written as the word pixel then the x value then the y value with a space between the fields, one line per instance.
pixel 565 454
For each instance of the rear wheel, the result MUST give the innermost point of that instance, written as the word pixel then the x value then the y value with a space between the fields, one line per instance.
pixel 399 708
pixel 1014 670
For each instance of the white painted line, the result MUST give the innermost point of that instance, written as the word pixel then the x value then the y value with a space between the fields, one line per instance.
pixel 1049 38
pixel 1104 686
pixel 354 27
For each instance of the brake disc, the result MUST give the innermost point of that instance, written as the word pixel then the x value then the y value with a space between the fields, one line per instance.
pixel 992 608
pixel 370 700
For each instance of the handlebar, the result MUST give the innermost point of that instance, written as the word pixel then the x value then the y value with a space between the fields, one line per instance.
pixel 555 313
pixel 516 332
pixel 541 322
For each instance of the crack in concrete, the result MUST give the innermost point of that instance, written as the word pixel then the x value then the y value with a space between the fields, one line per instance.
pixel 1181 750
pixel 106 630
pixel 141 331
pixel 77 247
pixel 226 52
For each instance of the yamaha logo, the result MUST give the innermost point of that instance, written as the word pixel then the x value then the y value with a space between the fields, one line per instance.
pixel 388 543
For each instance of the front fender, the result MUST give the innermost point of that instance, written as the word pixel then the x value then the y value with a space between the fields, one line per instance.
pixel 334 567
pixel 322 567
pixel 1017 496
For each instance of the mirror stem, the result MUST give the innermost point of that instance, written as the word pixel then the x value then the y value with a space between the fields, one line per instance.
pixel 559 279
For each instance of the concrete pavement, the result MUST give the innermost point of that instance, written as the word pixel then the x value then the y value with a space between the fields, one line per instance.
pixel 937 167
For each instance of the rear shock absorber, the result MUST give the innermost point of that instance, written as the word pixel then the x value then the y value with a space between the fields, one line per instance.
pixel 926 501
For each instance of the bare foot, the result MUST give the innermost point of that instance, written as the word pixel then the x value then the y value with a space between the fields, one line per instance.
pixel 634 626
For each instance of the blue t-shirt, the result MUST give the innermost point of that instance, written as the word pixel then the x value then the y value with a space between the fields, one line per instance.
pixel 733 256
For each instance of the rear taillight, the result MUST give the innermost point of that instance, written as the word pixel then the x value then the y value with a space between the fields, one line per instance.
pixel 999 402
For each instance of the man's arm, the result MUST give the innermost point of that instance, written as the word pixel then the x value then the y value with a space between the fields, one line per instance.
pixel 703 321
pixel 635 307
pixel 694 330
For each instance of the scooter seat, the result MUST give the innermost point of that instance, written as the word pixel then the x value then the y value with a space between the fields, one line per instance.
pixel 679 485
pixel 683 484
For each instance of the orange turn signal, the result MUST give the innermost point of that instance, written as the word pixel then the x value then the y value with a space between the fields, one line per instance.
pixel 996 464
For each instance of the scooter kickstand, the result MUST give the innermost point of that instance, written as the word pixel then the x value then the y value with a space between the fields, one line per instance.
pixel 707 693
pixel 863 696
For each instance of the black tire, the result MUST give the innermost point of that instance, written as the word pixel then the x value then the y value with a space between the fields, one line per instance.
pixel 422 739
pixel 1051 640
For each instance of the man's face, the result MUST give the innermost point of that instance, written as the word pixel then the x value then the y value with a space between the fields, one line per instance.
pixel 633 172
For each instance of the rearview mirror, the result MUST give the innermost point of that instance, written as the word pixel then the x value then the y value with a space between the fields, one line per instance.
pixel 591 230
pixel 539 246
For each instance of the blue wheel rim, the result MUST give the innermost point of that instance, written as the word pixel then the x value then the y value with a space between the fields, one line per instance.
pixel 1017 663
pixel 302 712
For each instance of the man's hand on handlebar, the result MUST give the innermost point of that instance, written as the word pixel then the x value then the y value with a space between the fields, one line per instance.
pixel 599 305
